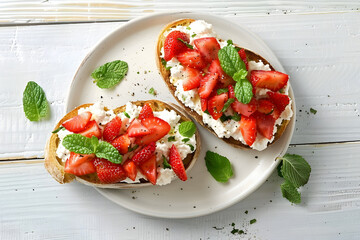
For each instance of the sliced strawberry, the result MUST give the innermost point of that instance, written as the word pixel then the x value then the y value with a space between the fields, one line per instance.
pixel 109 172
pixel 148 168
pixel 192 78
pixel 265 106
pixel 272 80
pixel 144 154
pixel 231 92
pixel 208 48
pixel 137 129
pixel 265 124
pixel 80 164
pixel 77 123
pixel 276 113
pixel 216 104
pixel 130 169
pixel 204 103
pixel 244 109
pixel 207 84
pixel 173 46
pixel 244 58
pixel 248 129
pixel 146 112
pixel 225 79
pixel 280 100
pixel 122 143
pixel 191 58
pixel 176 163
pixel 91 129
pixel 112 129
pixel 158 128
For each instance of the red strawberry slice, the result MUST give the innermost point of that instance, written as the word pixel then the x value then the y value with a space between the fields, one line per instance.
pixel 216 104
pixel 130 169
pixel 173 46
pixel 204 103
pixel 272 80
pixel 176 163
pixel 265 124
pixel 248 129
pixel 77 123
pixel 148 168
pixel 280 100
pixel 80 164
pixel 231 92
pixel 191 58
pixel 192 78
pixel 122 143
pixel 244 58
pixel 109 172
pixel 208 48
pixel 265 106
pixel 215 67
pixel 112 129
pixel 207 84
pixel 91 129
pixel 146 112
pixel 158 128
pixel 244 109
pixel 136 129
pixel 144 154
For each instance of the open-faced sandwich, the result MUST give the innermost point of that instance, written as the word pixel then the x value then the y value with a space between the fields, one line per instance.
pixel 233 92
pixel 138 144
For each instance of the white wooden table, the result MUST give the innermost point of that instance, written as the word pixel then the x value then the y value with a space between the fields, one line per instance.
pixel 318 43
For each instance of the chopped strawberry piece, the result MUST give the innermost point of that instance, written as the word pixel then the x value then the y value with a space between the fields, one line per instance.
pixel 265 106
pixel 192 78
pixel 204 104
pixel 144 154
pixel 109 172
pixel 130 169
pixel 265 124
pixel 244 58
pixel 231 92
pixel 280 100
pixel 77 123
pixel 148 168
pixel 244 109
pixel 146 112
pixel 112 129
pixel 173 46
pixel 158 128
pixel 248 129
pixel 176 163
pixel 225 79
pixel 91 129
pixel 276 113
pixel 216 104
pixel 208 48
pixel 137 129
pixel 122 143
pixel 272 80
pixel 207 84
pixel 191 58
pixel 80 164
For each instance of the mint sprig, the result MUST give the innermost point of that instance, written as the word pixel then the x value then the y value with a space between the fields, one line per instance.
pixel 166 163
pixel 243 88
pixel 35 104
pixel 290 192
pixel 187 129
pixel 110 74
pixel 218 166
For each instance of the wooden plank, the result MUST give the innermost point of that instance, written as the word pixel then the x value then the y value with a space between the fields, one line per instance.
pixel 320 52
pixel 34 206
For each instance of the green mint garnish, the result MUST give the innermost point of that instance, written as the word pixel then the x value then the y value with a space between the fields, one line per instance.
pixel 188 45
pixel 192 148
pixel 193 35
pixel 166 163
pixel 290 192
pixel 171 139
pixel 218 166
pixel 126 114
pixel 109 152
pixel 230 60
pixel 163 62
pixel 152 91
pixel 185 140
pixel 130 149
pixel 110 74
pixel 243 88
pixel 252 221
pixel 229 42
pixel 279 169
pixel 207 112
pixel 236 117
pixel 58 129
pixel 188 28
pixel 227 104
pixel 222 90
pixel 35 104
pixel 224 118
pixel 187 129
pixel 313 111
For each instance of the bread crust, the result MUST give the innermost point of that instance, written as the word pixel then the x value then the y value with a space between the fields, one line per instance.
pixel 166 76
pixel 55 166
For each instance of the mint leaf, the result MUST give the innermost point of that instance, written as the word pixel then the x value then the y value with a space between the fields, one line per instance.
pixel 229 42
pixel 130 149
pixel 222 90
pixel 185 140
pixel 192 148
pixel 290 192
pixel 313 111
pixel 171 139
pixel 109 152
pixel 230 60
pixel 187 129
pixel 279 169
pixel 193 35
pixel 236 117
pixel 110 74
pixel 224 118
pixel 35 104
pixel 243 88
pixel 188 45
pixel 163 62
pixel 152 91
pixel 126 114
pixel 218 166
pixel 295 169
pixel 78 144
pixel 165 163
pixel 94 142
pixel 241 74
pixel 227 104
pixel 58 129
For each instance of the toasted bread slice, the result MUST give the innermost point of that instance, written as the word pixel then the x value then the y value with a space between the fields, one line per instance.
pixel 55 166
pixel 166 76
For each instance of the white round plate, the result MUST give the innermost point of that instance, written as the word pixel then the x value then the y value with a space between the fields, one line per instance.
pixel 134 42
